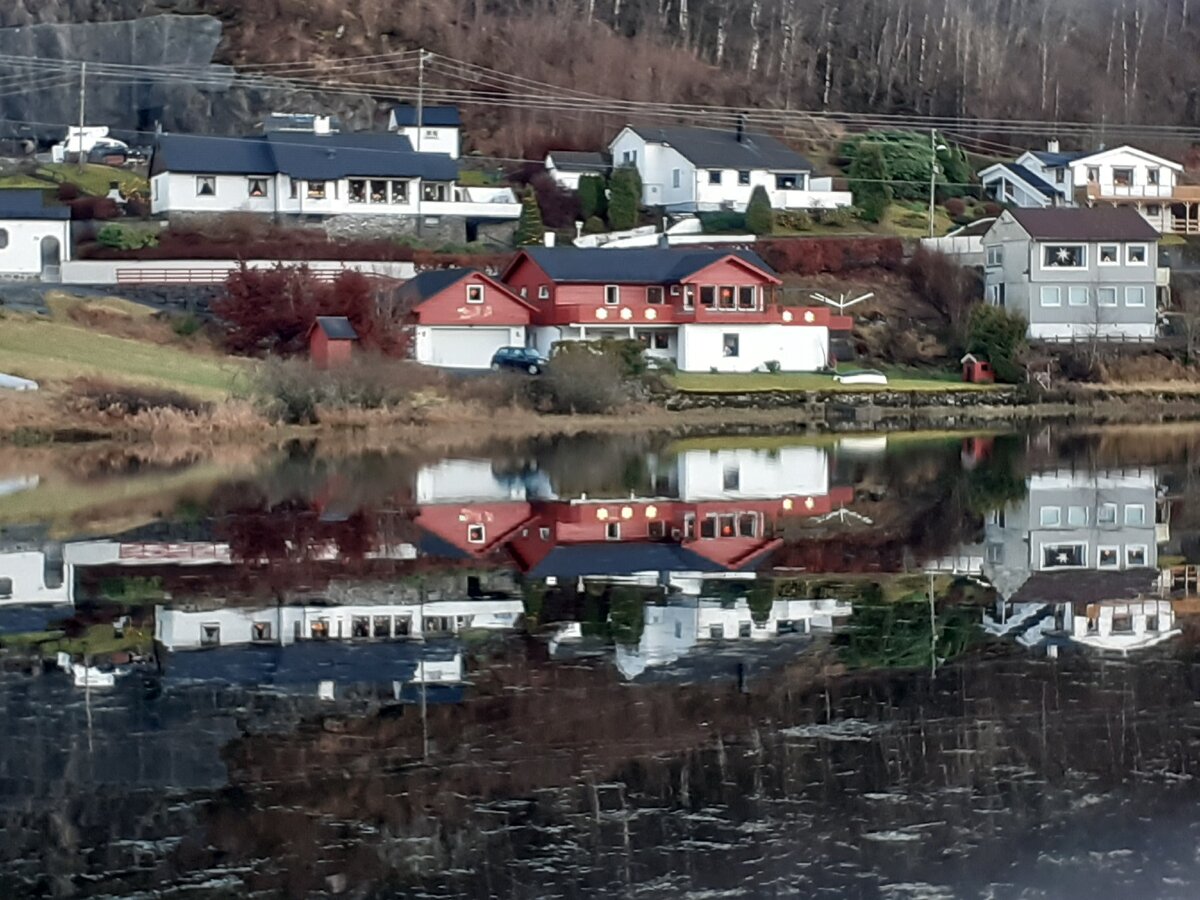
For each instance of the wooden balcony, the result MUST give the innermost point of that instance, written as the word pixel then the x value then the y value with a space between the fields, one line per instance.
pixel 658 314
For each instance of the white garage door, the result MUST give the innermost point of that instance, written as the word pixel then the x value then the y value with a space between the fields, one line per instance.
pixel 466 348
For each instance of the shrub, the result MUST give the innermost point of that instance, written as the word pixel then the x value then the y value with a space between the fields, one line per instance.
pixel 869 181
pixel 950 289
pixel 593 203
pixel 999 337
pixel 797 220
pixel 760 217
pixel 839 218
pixel 594 225
pixel 629 357
pixel 626 197
pixel 727 222
pixel 580 380
pixel 94 208
pixel 559 207
pixel 772 366
pixel 126 237
pixel 992 208
pixel 67 192
pixel 530 228
pixel 100 395
pixel 186 325
pixel 956 207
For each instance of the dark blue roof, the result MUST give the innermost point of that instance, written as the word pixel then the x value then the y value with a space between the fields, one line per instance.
pixel 337 328
pixel 614 558
pixel 654 265
pixel 1059 160
pixel 310 157
pixel 1035 181
pixel 29 203
pixel 722 148
pixel 432 282
pixel 405 115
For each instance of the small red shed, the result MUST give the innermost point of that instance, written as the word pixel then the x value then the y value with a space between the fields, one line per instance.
pixel 330 341
pixel 977 371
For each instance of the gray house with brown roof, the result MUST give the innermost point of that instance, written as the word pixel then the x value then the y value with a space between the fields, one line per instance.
pixel 1075 274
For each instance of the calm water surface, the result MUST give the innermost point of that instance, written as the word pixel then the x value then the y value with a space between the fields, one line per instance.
pixel 879 667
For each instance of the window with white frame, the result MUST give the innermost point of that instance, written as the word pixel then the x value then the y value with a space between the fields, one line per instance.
pixel 747 297
pixel 1077 516
pixel 1106 296
pixel 995 554
pixel 1135 295
pixel 1108 557
pixel 1106 514
pixel 1135 514
pixel 654 294
pixel 1064 556
pixel 675 178
pixel 357 190
pixel 543 292
pixel 1064 256
pixel 476 534
pixel 1123 177
pixel 1136 556
pixel 399 191
pixel 1152 176
pixel 1051 295
pixel 1051 516
pixel 612 531
pixel 714 176
pixel 1093 174
pixel 612 294
pixel 1135 254
pixel 1077 296
pixel 1060 176
pixel 3 238
pixel 744 177
pixel 316 190
pixel 995 255
pixel 206 185
pixel 1110 254
pixel 1153 209
pixel 257 187
pixel 474 293
pixel 293 188
pixel 992 293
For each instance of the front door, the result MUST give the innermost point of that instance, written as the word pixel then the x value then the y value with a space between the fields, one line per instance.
pixel 51 259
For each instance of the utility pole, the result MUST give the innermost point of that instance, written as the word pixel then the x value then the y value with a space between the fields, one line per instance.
pixel 420 95
pixel 932 176
pixel 82 109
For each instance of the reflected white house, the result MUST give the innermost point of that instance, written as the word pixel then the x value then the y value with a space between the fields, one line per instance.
pixel 743 473
pixel 30 576
pixel 189 629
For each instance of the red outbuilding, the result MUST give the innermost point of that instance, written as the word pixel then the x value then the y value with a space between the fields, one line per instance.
pixel 331 341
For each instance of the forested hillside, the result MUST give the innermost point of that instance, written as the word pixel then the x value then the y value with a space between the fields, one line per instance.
pixel 1101 61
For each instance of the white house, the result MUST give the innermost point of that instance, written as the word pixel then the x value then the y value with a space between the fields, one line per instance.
pixel 1121 176
pixel 35 238
pixel 30 576
pixel 566 167
pixel 687 169
pixel 315 174
pixel 432 129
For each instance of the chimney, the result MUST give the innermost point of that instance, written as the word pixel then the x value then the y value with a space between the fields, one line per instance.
pixel 548 238
pixel 1052 145
pixel 664 241
pixel 741 128
pixel 321 125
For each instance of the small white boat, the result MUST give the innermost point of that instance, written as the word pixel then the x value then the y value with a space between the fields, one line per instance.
pixel 90 676
pixel 17 383
pixel 862 376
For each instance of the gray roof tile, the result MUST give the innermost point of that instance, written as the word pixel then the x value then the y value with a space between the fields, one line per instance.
pixel 337 328
pixel 1101 223
pixel 713 148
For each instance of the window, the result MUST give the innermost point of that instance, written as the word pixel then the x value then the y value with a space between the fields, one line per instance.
pixel 1135 296
pixel 257 187
pixel 992 293
pixel 746 298
pixel 1093 174
pixel 1108 557
pixel 544 534
pixel 612 531
pixel 476 534
pixel 1135 254
pixel 1065 256
pixel 714 176
pixel 995 554
pixel 260 631
pixel 474 293
pixel 675 290
pixel 293 188
pixel 1051 295
pixel 431 132
pixel 731 478
pixel 1152 177
pixel 1106 514
pixel 729 345
pixel 654 295
pixel 3 238
pixel 1106 296
pixel 789 181
pixel 316 190
pixel 1077 516
pixel 1077 296
pixel 524 292
pixel 360 626
pixel 1064 556
pixel 379 191
pixel 662 340
pixel 1110 254
pixel 995 255
pixel 689 296
pixel 210 635
pixel 716 632
pixel 612 294
pixel 708 296
pixel 629 158
pixel 206 185
pixel 1153 209
pixel 1051 516
pixel 435 191
pixel 543 292
pixel 1060 176
pixel 1135 514
pixel 6 588
pixel 1123 177
pixel 744 629
pixel 358 191
pixel 399 191
pixel 725 297
pixel 744 177
pixel 1135 556
pixel 675 179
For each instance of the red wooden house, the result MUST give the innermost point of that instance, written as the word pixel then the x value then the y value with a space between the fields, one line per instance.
pixel 331 341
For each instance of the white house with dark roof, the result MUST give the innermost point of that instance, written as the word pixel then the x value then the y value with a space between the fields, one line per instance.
pixel 685 169
pixel 35 237
pixel 432 129
pixel 566 167
pixel 315 174
pixel 1121 176
pixel 1075 274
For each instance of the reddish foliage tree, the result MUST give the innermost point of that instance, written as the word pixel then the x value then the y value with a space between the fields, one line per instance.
pixel 94 208
pixel 271 310
pixel 560 207
pixel 814 256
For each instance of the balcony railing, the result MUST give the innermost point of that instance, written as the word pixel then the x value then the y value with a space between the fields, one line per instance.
pixel 646 314
pixel 1180 193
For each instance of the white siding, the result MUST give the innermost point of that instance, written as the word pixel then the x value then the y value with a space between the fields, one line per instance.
pixel 760 474
pixel 463 347
pixel 27 571
pixel 22 254
pixel 797 348
pixel 433 140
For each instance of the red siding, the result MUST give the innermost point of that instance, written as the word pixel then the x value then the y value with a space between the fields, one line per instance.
pixel 326 353
pixel 524 273
pixel 450 306
pixel 453 523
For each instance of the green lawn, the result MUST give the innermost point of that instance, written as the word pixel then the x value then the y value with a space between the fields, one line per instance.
pixel 44 349
pixel 92 179
pixel 811 381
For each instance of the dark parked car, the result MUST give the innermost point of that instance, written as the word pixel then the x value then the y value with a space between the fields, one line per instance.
pixel 525 359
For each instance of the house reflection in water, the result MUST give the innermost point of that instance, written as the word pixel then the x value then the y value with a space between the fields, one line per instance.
pixel 1077 560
